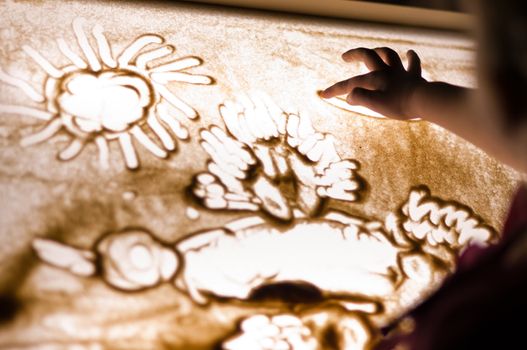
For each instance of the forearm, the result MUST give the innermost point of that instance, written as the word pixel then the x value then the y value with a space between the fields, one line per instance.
pixel 446 105
pixel 453 108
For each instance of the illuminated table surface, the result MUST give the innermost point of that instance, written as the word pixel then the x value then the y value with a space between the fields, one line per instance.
pixel 170 176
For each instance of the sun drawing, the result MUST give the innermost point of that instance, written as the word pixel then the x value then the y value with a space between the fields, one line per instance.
pixel 98 98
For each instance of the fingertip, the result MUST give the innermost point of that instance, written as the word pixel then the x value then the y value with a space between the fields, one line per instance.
pixel 327 93
pixel 411 54
pixel 349 56
pixel 414 62
pixel 350 99
pixel 346 55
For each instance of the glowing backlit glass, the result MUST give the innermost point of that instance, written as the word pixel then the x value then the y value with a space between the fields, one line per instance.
pixel 257 215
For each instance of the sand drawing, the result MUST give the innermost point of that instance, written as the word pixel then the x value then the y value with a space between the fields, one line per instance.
pixel 271 161
pixel 310 330
pixel 382 269
pixel 101 97
pixel 276 332
pixel 235 260
pixel 274 165
pixel 414 247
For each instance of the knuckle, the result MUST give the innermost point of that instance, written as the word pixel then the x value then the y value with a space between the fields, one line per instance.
pixel 365 51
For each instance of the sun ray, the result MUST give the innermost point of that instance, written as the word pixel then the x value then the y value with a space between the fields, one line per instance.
pixel 179 130
pixel 104 152
pixel 136 46
pixel 177 65
pixel 130 157
pixel 166 77
pixel 72 150
pixel 143 138
pixel 105 50
pixel 84 44
pixel 94 65
pixel 22 85
pixel 176 101
pixel 143 59
pixel 72 56
pixel 46 133
pixel 22 110
pixel 43 63
pixel 161 132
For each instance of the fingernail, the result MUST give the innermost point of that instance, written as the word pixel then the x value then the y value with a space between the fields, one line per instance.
pixel 321 93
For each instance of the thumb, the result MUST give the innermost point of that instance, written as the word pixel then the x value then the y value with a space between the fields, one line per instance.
pixel 368 98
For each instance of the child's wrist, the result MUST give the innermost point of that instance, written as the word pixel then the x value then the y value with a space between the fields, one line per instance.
pixel 412 108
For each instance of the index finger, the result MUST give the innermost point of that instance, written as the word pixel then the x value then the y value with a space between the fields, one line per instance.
pixel 370 81
pixel 368 56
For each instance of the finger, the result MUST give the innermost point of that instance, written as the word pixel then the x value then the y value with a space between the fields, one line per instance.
pixel 367 98
pixel 368 56
pixel 390 57
pixel 369 81
pixel 414 63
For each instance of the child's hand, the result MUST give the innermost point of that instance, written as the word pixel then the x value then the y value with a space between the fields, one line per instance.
pixel 387 88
